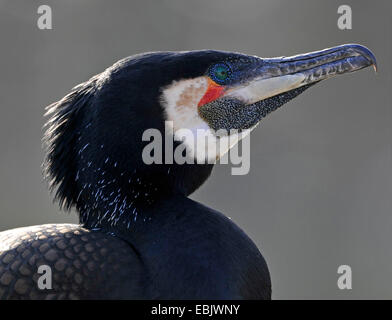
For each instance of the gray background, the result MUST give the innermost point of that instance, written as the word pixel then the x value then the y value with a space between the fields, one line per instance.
pixel 319 191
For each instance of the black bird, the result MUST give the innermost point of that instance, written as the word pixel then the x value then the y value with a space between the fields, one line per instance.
pixel 140 236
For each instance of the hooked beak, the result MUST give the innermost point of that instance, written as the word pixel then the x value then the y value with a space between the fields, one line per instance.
pixel 279 75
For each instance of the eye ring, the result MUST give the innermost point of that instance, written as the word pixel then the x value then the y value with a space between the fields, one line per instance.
pixel 220 73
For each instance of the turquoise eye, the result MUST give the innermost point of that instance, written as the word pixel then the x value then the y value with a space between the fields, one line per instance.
pixel 220 72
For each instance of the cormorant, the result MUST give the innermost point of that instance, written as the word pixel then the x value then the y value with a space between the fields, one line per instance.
pixel 140 236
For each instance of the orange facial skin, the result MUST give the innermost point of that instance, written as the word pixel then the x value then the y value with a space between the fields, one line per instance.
pixel 213 92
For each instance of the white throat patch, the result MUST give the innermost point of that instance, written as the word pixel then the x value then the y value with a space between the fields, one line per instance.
pixel 180 101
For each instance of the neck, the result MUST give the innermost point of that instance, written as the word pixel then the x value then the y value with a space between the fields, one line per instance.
pixel 110 194
pixel 174 217
pixel 124 202
pixel 141 225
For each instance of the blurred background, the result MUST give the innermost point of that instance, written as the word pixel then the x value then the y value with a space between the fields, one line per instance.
pixel 319 191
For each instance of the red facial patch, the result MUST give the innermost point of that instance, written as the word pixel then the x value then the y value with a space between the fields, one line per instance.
pixel 213 92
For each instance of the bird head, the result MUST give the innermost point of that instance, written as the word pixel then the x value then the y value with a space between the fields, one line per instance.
pixel 95 133
pixel 233 92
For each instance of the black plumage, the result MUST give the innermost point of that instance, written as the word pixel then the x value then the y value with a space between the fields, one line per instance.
pixel 178 248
